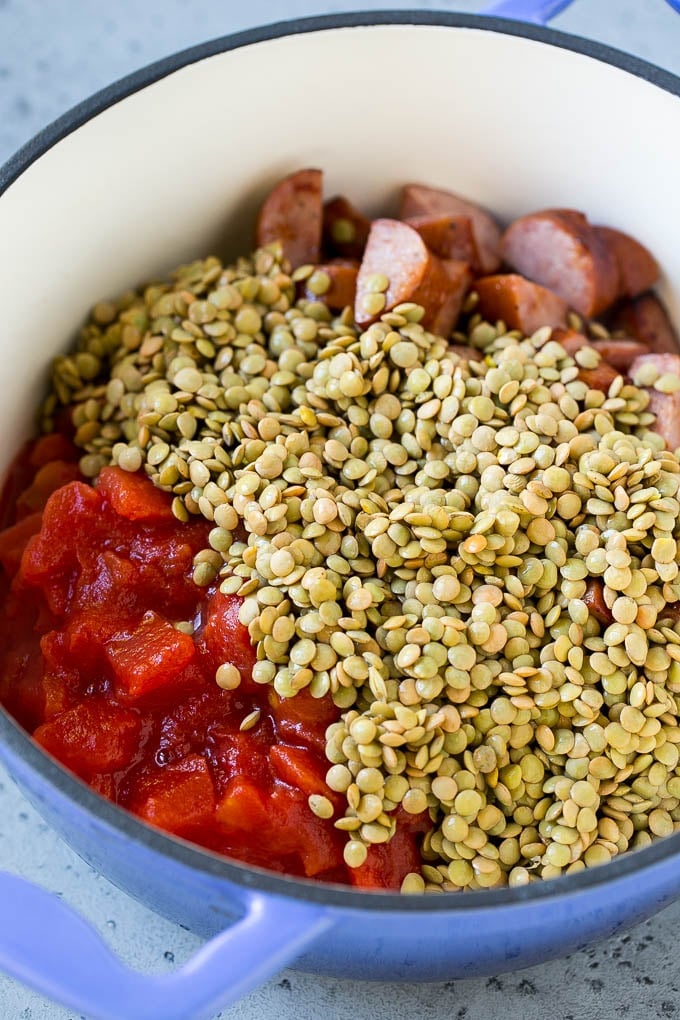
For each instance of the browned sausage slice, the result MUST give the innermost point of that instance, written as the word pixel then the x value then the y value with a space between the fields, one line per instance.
pixel 343 284
pixel 559 249
pixel 646 319
pixel 666 406
pixel 291 214
pixel 672 610
pixel 450 237
pixel 520 303
pixel 418 200
pixel 345 229
pixel 460 278
pixel 617 356
pixel 397 252
pixel 599 378
pixel 570 339
pixel 638 269
pixel 620 352
pixel 466 353
pixel 594 599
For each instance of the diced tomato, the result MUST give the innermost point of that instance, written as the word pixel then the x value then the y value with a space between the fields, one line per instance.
pixel 80 646
pixel 61 675
pixel 148 656
pixel 134 496
pixel 107 581
pixel 295 828
pixel 178 797
pixel 60 694
pixel 186 722
pixel 54 446
pixel 243 807
pixel 105 785
pixel 13 541
pixel 388 864
pixel 21 680
pixel 300 768
pixel 163 557
pixel 50 560
pixel 225 639
pixel 93 736
pixel 47 480
pixel 303 719
pixel 19 475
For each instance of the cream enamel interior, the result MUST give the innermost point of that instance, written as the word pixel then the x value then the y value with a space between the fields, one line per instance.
pixel 175 170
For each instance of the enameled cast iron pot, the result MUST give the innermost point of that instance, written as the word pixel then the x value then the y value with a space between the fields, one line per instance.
pixel 168 165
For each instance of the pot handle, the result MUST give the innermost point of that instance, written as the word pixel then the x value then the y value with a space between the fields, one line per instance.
pixel 538 12
pixel 46 945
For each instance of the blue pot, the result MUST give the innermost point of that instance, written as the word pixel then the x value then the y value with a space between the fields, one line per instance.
pixel 256 921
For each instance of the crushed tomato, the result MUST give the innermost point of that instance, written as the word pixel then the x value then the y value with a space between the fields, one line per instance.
pixel 92 581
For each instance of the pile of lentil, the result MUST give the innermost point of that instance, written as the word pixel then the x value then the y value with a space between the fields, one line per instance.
pixel 413 533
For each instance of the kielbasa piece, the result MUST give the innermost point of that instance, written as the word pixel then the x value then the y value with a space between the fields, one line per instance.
pixel 418 200
pixel 460 278
pixel 594 599
pixel 466 353
pixel 343 284
pixel 291 213
pixel 620 352
pixel 570 339
pixel 599 378
pixel 345 229
pixel 396 251
pixel 646 319
pixel 638 269
pixel 450 237
pixel 666 406
pixel 559 249
pixel 520 303
pixel 671 610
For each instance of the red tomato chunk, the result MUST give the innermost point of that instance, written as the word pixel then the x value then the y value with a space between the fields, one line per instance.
pixel 148 656
pixel 95 736
pixel 93 581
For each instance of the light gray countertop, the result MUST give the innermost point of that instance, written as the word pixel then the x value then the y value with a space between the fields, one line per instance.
pixel 54 53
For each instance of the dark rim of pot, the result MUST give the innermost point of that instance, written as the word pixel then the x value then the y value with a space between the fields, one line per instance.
pixel 189 855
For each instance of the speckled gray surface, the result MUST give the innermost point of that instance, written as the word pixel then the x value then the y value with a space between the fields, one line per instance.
pixel 53 53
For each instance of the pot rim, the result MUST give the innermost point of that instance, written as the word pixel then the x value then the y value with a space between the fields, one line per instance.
pixel 128 825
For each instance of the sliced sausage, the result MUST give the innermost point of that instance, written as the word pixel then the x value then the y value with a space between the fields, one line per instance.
pixel 291 213
pixel 345 229
pixel 395 250
pixel 418 200
pixel 638 269
pixel 570 339
pixel 620 352
pixel 466 353
pixel 342 290
pixel 666 406
pixel 450 237
pixel 672 610
pixel 594 599
pixel 460 278
pixel 646 319
pixel 520 303
pixel 599 378
pixel 559 249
